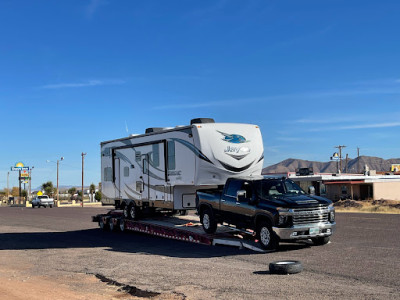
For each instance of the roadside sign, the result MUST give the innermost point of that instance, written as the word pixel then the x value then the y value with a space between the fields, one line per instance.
pixel 39 193
pixel 24 173
pixel 19 166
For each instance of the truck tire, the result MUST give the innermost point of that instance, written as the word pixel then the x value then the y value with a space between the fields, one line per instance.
pixel 51 205
pixel 285 267
pixel 321 240
pixel 208 221
pixel 266 236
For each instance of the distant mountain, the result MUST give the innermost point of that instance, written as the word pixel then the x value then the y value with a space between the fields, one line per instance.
pixel 373 163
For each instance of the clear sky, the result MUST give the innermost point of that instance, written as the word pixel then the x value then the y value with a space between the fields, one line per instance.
pixel 311 74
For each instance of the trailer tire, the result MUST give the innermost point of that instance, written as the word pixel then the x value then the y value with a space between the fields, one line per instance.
pixel 125 209
pixel 51 205
pixel 319 241
pixel 121 224
pixel 102 225
pixel 285 267
pixel 266 236
pixel 111 225
pixel 133 212
pixel 208 221
pixel 183 212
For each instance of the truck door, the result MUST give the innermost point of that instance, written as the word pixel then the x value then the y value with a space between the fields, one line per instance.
pixel 237 212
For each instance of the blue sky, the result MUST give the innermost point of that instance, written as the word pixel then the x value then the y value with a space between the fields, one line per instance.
pixel 311 74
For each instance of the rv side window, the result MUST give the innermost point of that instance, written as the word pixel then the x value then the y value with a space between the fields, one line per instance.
pixel 126 171
pixel 107 174
pixel 155 156
pixel 171 155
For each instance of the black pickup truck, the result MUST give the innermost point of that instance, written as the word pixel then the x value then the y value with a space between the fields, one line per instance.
pixel 276 208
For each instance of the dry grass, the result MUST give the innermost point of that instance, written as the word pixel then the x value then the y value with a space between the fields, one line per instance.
pixel 368 206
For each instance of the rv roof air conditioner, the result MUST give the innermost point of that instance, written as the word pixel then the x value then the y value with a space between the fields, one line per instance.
pixel 154 129
pixel 201 121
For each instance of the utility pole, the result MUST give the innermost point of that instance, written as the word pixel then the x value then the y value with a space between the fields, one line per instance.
pixel 340 147
pixel 358 160
pixel 8 186
pixel 83 160
pixel 58 163
pixel 30 182
pixel 347 159
pixel 19 181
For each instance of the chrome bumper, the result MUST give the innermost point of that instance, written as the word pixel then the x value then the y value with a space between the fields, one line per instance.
pixel 301 232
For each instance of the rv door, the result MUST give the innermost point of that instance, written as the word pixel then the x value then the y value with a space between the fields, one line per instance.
pixel 146 178
pixel 117 177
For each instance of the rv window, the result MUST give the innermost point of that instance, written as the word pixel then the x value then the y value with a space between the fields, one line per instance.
pixel 155 157
pixel 171 155
pixel 126 171
pixel 107 174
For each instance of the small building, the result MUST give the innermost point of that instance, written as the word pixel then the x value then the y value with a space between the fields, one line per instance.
pixel 350 186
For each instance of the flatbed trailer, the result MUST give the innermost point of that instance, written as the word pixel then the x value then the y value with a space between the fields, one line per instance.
pixel 182 228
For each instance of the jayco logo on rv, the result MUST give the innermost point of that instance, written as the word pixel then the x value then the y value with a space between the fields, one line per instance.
pixel 233 138
pixel 236 152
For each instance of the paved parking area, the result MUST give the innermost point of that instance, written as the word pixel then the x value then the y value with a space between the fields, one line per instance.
pixel 66 253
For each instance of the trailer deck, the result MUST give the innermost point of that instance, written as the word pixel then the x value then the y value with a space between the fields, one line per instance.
pixel 183 228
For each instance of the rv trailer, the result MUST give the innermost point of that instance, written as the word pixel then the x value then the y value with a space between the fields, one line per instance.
pixel 163 168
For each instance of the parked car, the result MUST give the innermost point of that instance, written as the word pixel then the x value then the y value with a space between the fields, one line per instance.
pixel 42 201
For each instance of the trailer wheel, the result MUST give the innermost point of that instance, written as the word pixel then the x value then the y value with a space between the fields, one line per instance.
pixel 111 225
pixel 266 236
pixel 133 212
pixel 125 209
pixel 183 212
pixel 122 225
pixel 208 221
pixel 102 225
pixel 51 205
pixel 321 240
pixel 285 267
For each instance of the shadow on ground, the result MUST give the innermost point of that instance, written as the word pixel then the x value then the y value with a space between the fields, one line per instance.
pixel 121 242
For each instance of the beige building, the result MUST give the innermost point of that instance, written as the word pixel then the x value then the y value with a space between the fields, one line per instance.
pixel 351 186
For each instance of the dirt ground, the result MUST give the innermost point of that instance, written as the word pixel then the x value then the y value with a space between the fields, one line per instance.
pixel 20 281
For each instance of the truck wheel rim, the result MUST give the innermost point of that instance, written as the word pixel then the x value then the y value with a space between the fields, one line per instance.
pixel 125 212
pixel 206 221
pixel 122 225
pixel 265 236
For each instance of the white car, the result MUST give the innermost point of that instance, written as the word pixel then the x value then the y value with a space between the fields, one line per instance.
pixel 42 201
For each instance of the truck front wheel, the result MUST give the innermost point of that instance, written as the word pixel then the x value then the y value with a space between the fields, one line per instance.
pixel 208 221
pixel 266 236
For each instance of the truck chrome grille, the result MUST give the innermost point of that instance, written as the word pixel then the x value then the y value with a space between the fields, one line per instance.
pixel 314 215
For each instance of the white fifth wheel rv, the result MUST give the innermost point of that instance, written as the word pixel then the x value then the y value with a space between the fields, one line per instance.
pixel 163 168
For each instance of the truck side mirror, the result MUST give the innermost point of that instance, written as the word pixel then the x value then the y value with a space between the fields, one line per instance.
pixel 241 196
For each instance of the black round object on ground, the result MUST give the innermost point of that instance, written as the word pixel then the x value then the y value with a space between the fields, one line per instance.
pixel 285 267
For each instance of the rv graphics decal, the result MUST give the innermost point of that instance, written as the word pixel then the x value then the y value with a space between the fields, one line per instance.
pixel 237 152
pixel 193 149
pixel 233 138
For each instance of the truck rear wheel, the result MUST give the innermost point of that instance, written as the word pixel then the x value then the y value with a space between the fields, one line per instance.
pixel 266 236
pixel 125 209
pixel 208 221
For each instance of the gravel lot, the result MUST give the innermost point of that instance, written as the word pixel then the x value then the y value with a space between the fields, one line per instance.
pixel 59 253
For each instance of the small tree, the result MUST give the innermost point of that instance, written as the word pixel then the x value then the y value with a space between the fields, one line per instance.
pixel 98 196
pixel 72 191
pixel 48 188
pixel 15 191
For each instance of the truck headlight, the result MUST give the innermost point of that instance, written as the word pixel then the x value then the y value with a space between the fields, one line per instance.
pixel 284 214
pixel 331 213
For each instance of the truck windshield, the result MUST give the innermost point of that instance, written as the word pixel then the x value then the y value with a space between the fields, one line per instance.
pixel 275 187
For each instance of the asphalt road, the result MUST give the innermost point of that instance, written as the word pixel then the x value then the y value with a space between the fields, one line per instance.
pixel 361 262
